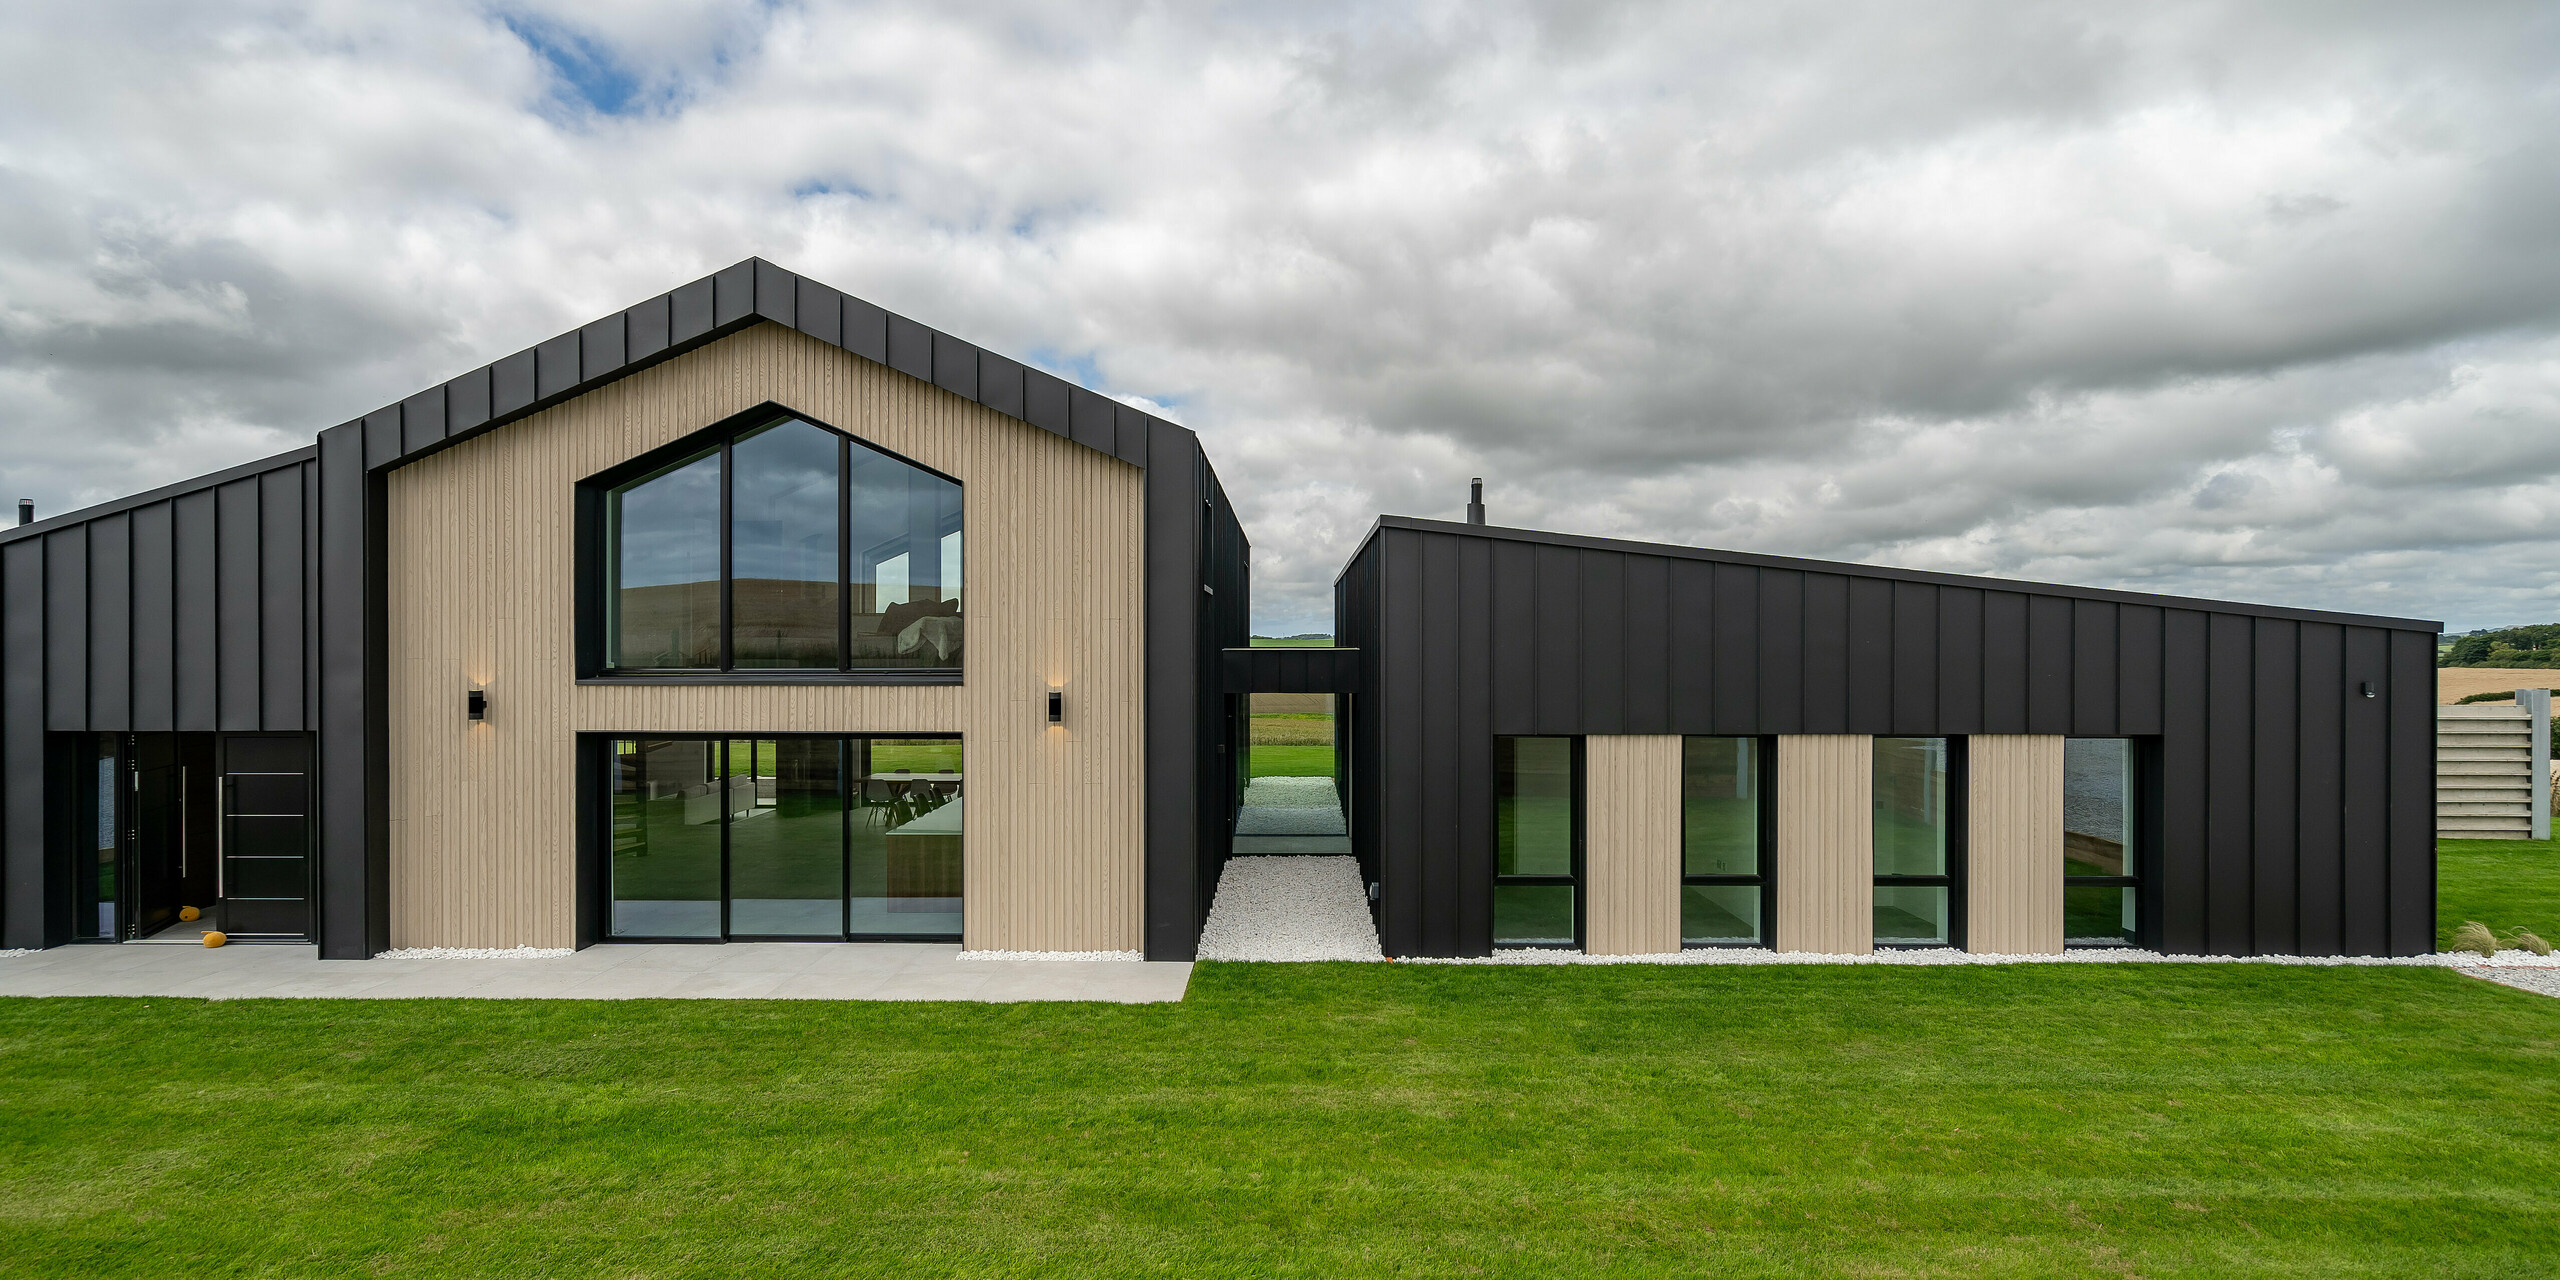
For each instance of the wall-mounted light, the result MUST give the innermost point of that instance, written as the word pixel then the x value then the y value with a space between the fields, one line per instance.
pixel 1057 706
pixel 2367 690
pixel 476 704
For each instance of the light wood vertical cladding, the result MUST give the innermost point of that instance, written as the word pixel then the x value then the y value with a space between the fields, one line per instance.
pixel 481 539
pixel 2013 844
pixel 1825 883
pixel 1631 844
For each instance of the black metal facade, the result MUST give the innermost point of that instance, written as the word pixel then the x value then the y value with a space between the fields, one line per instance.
pixel 186 609
pixel 254 599
pixel 2297 812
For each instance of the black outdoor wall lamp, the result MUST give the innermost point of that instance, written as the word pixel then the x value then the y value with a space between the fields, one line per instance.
pixel 476 705
pixel 1057 706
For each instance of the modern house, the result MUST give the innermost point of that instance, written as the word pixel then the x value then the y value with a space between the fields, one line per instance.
pixel 756 612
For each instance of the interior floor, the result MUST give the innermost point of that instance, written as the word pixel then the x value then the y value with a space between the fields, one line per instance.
pixel 183 932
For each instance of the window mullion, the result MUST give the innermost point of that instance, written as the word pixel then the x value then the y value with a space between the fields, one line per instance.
pixel 728 649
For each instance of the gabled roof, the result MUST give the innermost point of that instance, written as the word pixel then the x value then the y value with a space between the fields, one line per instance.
pixel 1846 569
pixel 751 292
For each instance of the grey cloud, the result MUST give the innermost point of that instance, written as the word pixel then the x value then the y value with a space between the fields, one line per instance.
pixel 2254 299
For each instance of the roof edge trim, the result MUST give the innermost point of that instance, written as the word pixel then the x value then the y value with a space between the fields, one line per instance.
pixel 1889 573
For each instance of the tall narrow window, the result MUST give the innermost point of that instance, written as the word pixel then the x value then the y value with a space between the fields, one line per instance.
pixel 2101 867
pixel 1915 899
pixel 782 546
pixel 1723 849
pixel 1537 842
pixel 96 888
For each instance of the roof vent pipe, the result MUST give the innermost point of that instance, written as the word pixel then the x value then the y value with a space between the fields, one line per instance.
pixel 1475 501
pixel 26 511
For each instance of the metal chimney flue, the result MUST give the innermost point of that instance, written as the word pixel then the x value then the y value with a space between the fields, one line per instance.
pixel 1475 501
pixel 26 511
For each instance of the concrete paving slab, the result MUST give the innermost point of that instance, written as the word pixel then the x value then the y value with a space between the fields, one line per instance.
pixel 737 971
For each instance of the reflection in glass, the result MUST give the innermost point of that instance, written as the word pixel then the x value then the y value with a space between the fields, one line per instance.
pixel 1911 806
pixel 1534 798
pixel 906 833
pixel 786 838
pixel 667 799
pixel 665 593
pixel 1719 915
pixel 1533 915
pixel 1719 788
pixel 94 911
pixel 906 566
pixel 2097 841
pixel 1911 913
pixel 782 547
pixel 2099 914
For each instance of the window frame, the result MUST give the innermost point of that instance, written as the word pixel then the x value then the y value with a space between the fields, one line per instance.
pixel 1574 856
pixel 2141 848
pixel 1765 796
pixel 853 759
pixel 1953 879
pixel 598 541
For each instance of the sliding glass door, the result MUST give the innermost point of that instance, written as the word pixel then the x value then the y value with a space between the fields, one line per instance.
pixel 785 838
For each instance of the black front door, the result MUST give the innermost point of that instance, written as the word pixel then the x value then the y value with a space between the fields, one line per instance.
pixel 159 844
pixel 266 835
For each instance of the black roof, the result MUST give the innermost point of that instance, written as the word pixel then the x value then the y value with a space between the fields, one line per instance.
pixel 693 315
pixel 1632 547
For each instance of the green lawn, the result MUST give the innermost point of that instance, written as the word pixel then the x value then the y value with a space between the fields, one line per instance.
pixel 2504 884
pixel 1312 1121
pixel 1281 761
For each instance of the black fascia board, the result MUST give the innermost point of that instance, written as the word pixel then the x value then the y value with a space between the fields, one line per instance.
pixel 210 480
pixel 726 302
pixel 1844 568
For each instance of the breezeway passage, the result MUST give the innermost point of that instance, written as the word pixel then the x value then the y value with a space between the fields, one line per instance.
pixel 738 971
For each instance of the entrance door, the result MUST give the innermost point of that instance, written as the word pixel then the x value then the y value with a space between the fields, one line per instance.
pixel 266 835
pixel 160 854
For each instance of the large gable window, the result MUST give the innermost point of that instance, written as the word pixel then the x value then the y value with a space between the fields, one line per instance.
pixel 781 546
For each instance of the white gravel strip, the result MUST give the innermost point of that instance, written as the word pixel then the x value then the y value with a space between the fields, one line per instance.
pixel 2538 980
pixel 1054 955
pixel 1291 793
pixel 1290 908
pixel 16 951
pixel 1259 820
pixel 476 953
pixel 2465 960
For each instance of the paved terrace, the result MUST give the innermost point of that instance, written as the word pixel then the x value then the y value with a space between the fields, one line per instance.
pixel 736 971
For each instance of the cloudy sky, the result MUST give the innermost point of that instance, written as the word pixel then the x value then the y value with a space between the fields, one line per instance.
pixel 2259 301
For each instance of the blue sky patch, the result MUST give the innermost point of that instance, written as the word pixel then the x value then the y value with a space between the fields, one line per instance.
pixel 588 70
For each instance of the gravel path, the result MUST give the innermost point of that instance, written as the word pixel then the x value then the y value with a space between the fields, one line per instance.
pixel 1290 807
pixel 1301 908
pixel 2545 982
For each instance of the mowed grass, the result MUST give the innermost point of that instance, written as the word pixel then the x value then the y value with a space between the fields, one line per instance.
pixel 1283 761
pixel 1322 1120
pixel 2504 884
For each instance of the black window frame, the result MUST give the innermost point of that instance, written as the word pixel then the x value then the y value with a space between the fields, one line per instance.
pixel 2141 847
pixel 1958 790
pixel 1578 824
pixel 1765 793
pixel 853 759
pixel 596 545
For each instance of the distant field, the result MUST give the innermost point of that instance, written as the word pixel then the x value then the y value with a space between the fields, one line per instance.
pixel 2453 684
pixel 1293 642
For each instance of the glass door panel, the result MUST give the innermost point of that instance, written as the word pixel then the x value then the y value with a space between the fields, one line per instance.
pixel 667 799
pixel 786 838
pixel 906 838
